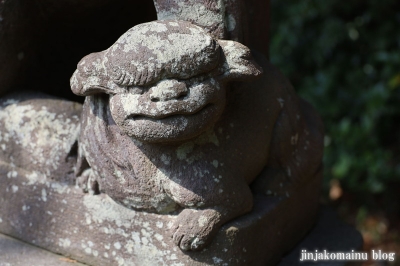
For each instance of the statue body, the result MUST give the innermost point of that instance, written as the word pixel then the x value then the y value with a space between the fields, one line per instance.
pixel 167 130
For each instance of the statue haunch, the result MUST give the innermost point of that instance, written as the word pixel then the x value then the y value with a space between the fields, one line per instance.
pixel 163 128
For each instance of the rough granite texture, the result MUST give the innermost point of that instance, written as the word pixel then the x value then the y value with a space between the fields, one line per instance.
pixel 39 134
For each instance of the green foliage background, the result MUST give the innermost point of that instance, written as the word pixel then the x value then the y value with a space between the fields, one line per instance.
pixel 344 58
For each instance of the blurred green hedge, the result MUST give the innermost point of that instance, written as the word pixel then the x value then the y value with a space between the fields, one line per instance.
pixel 344 58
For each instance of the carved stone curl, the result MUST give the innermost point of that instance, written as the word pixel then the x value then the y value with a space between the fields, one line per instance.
pixel 168 126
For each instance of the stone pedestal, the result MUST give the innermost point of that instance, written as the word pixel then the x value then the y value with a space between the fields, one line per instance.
pixel 329 233
pixel 17 253
pixel 95 230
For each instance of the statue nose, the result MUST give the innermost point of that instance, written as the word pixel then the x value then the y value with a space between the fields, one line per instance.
pixel 166 90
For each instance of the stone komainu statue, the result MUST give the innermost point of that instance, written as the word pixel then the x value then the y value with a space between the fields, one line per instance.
pixel 176 121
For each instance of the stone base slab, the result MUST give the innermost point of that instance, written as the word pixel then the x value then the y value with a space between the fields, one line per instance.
pixel 329 233
pixel 17 253
pixel 93 229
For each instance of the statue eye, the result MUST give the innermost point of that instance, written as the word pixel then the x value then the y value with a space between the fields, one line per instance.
pixel 135 90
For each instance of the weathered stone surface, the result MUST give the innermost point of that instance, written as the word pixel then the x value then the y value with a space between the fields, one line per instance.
pixel 246 22
pixel 94 229
pixel 17 253
pixel 210 15
pixel 329 233
pixel 167 136
pixel 39 134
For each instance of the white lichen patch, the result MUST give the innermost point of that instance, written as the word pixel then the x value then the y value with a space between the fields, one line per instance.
pixel 12 174
pixel 35 177
pixel 164 88
pixel 215 163
pixel 44 195
pixel 217 260
pixel 207 137
pixel 165 159
pixel 183 150
pixel 159 237
pixel 129 246
pixel 129 102
pixel 121 261
pixel 59 187
pixel 203 220
pixel 145 241
pixel 173 24
pixel 105 209
pixel 64 242
pixel 41 134
pixel 202 16
pixel 160 224
pixel 163 49
pixel 117 245
pixel 14 188
pixel 88 218
pixel 121 232
pixel 178 264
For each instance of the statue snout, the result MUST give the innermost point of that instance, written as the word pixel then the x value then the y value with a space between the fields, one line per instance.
pixel 167 90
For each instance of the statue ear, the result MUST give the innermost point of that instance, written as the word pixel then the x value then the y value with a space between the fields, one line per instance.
pixel 90 76
pixel 238 62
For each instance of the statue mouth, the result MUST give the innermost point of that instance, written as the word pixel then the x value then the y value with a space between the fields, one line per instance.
pixel 160 117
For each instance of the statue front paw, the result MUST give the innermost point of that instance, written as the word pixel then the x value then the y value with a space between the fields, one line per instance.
pixel 194 229
pixel 87 182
